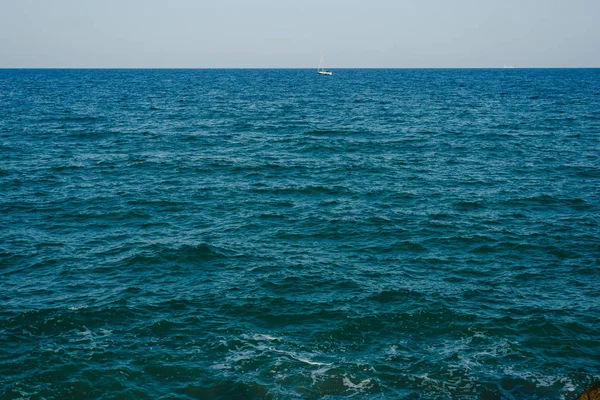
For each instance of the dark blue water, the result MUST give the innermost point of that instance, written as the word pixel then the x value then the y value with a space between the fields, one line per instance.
pixel 238 234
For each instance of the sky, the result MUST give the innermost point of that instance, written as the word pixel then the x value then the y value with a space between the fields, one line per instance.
pixel 294 33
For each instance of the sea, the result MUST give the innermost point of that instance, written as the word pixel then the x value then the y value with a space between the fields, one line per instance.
pixel 277 234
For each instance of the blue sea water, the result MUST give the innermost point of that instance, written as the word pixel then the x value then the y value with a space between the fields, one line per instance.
pixel 250 234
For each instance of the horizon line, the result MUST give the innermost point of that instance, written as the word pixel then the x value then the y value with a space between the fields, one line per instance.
pixel 289 68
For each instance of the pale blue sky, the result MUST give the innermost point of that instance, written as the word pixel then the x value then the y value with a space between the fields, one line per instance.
pixel 290 33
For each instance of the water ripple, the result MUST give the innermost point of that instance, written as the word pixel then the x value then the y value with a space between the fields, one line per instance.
pixel 267 234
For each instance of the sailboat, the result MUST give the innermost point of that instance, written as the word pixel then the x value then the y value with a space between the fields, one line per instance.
pixel 321 70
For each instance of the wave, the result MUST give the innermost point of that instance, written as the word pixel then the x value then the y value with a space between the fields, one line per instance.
pixel 249 242
pixel 308 189
pixel 57 321
pixel 188 254
pixel 397 295
pixel 95 134
pixel 326 132
pixel 83 118
pixel 469 204
pixel 404 246
pixel 228 389
pixel 62 168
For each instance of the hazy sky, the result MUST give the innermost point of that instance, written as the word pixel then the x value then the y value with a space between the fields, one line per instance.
pixel 293 33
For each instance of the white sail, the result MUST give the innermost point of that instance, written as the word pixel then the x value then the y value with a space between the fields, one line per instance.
pixel 321 70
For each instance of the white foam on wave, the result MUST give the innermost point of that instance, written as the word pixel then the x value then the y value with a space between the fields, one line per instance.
pixel 307 361
pixel 541 380
pixel 91 339
pixel 298 357
pixel 392 351
pixel 85 333
pixel 316 374
pixel 220 366
pixel 358 387
pixel 78 307
pixel 240 356
pixel 260 336
pixel 469 357
pixel 24 394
